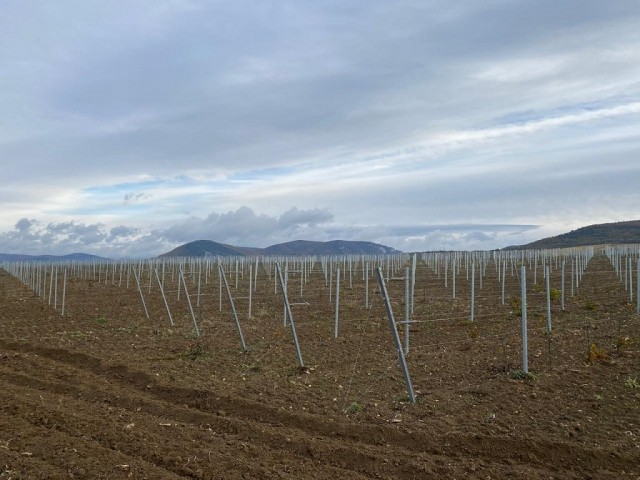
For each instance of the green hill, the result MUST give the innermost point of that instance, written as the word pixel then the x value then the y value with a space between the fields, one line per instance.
pixel 603 233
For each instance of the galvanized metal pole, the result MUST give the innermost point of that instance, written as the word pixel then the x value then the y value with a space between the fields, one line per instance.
pixel 164 298
pixel 366 286
pixel 141 295
pixel 504 274
pixel 473 287
pixel 406 311
pixel 337 319
pixel 413 281
pixel 233 310
pixel 288 309
pixel 523 298
pixel 396 337
pixel 562 292
pixel 186 294
pixel 64 291
pixel 546 275
pixel 250 288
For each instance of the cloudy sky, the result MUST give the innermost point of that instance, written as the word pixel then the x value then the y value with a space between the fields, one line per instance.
pixel 129 127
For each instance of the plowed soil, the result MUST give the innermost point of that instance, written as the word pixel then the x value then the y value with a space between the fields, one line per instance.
pixel 104 392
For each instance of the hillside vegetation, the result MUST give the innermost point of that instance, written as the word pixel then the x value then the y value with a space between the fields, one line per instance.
pixel 603 233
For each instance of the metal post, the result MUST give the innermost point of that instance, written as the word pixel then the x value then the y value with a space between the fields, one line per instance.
pixel 64 291
pixel 337 320
pixel 523 297
pixel 288 309
pixel 141 295
pixel 366 286
pixel 453 275
pixel 166 304
pixel 413 281
pixel 233 310
pixel 473 287
pixel 546 275
pixel 186 294
pixel 504 274
pixel 199 283
pixel 562 292
pixel 250 287
pixel 396 337
pixel 406 311
pixel 55 293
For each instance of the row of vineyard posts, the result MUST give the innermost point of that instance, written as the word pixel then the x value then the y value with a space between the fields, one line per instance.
pixel 237 278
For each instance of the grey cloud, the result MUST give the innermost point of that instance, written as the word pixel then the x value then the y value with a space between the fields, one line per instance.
pixel 132 197
pixel 244 227
pixel 24 224
pixel 214 89
pixel 122 232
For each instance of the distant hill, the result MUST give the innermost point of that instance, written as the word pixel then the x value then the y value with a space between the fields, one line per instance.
pixel 201 248
pixel 603 233
pixel 334 247
pixel 14 257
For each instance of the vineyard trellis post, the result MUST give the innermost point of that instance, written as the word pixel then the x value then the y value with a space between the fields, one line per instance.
pixel 406 311
pixel 233 310
pixel 64 291
pixel 144 305
pixel 548 289
pixel 337 315
pixel 186 294
pixel 473 287
pixel 396 337
pixel 285 298
pixel 164 298
pixel 562 291
pixel 523 298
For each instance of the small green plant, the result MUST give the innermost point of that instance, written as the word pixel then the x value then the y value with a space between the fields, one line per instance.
pixel 516 305
pixel 590 306
pixel 354 408
pixel 473 333
pixel 632 383
pixel 595 353
pixel 102 320
pixel 622 342
pixel 195 350
pixel 554 294
pixel 522 375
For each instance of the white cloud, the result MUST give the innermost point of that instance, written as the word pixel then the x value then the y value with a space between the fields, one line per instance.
pixel 151 114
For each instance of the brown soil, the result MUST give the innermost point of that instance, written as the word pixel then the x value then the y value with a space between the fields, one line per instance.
pixel 104 392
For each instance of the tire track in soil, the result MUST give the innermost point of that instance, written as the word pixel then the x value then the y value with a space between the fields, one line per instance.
pixel 288 450
pixel 28 453
pixel 347 447
pixel 227 448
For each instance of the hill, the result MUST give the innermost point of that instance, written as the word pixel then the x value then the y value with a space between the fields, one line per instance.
pixel 603 233
pixel 16 257
pixel 334 247
pixel 201 248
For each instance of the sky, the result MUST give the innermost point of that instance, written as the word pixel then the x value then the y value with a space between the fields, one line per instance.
pixel 130 127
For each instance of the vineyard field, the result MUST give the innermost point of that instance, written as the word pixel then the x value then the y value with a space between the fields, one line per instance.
pixel 105 392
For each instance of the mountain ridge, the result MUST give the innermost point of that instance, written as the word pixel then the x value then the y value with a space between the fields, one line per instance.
pixel 19 257
pixel 199 248
pixel 626 232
